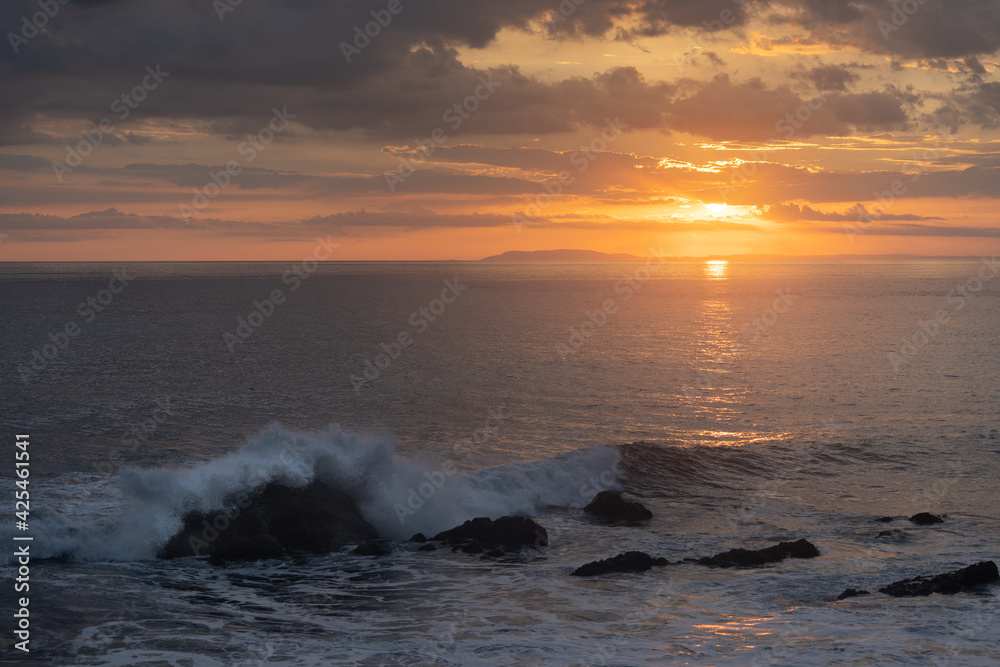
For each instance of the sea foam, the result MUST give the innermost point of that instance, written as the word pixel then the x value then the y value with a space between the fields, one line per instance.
pixel 398 496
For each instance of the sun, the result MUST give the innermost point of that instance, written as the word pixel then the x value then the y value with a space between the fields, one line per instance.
pixel 717 209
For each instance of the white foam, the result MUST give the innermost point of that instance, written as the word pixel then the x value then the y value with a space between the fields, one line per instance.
pixel 396 495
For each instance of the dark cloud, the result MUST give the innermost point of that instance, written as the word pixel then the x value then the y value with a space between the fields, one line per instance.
pixel 229 73
pixel 776 184
pixel 831 77
pixel 22 162
pixel 872 110
pixel 974 65
pixel 977 103
pixel 930 29
pixel 25 226
pixel 764 113
pixel 197 175
pixel 795 212
pixel 90 221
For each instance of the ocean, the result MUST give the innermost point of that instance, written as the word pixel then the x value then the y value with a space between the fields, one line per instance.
pixel 743 402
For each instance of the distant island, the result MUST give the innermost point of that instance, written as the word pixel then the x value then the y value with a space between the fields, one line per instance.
pixel 561 256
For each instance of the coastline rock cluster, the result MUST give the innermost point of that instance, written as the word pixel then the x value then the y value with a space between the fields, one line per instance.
pixel 279 521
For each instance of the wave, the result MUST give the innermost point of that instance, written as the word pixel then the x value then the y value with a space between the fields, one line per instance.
pixel 671 469
pixel 396 495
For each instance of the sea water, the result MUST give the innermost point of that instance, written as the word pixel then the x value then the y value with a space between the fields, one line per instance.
pixel 744 403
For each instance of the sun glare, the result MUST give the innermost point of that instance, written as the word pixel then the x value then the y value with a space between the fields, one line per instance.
pixel 717 209
pixel 715 269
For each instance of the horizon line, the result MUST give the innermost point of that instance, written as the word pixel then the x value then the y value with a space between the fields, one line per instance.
pixel 746 257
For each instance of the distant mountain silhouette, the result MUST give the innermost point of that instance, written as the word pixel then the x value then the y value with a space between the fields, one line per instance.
pixel 560 256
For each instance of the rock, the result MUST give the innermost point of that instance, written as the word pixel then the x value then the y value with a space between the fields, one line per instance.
pixel 427 547
pixel 630 561
pixel 948 583
pixel 852 593
pixel 373 548
pixel 925 519
pixel 895 535
pixel 610 507
pixel 773 554
pixel 276 521
pixel 479 534
pixel 419 537
pixel 885 519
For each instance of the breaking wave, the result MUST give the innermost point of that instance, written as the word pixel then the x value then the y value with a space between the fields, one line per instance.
pixel 131 517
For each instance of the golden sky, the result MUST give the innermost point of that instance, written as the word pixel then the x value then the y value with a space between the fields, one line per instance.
pixel 458 130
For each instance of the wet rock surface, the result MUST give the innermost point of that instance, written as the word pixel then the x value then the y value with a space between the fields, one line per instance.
pixel 630 561
pixel 949 583
pixel 773 554
pixel 277 521
pixel 610 507
pixel 852 593
pixel 483 534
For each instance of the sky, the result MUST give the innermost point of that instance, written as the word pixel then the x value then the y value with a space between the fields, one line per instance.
pixel 457 129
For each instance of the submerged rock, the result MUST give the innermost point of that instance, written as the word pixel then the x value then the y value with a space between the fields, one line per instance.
pixel 630 561
pixel 949 583
pixel 852 593
pixel 925 519
pixel 610 507
pixel 773 554
pixel 885 519
pixel 895 535
pixel 480 534
pixel 276 521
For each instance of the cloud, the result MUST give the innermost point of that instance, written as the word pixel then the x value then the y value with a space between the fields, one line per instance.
pixel 22 162
pixel 776 184
pixel 228 74
pixel 975 104
pixel 931 230
pixel 753 111
pixel 935 29
pixel 795 212
pixel 831 77
pixel 93 220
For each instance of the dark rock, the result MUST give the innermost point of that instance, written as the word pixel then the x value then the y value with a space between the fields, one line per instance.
pixel 852 593
pixel 476 535
pixel 427 547
pixel 773 554
pixel 925 519
pixel 276 521
pixel 631 561
pixel 419 537
pixel 895 534
pixel 493 553
pixel 470 548
pixel 949 583
pixel 610 507
pixel 373 548
pixel 885 519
